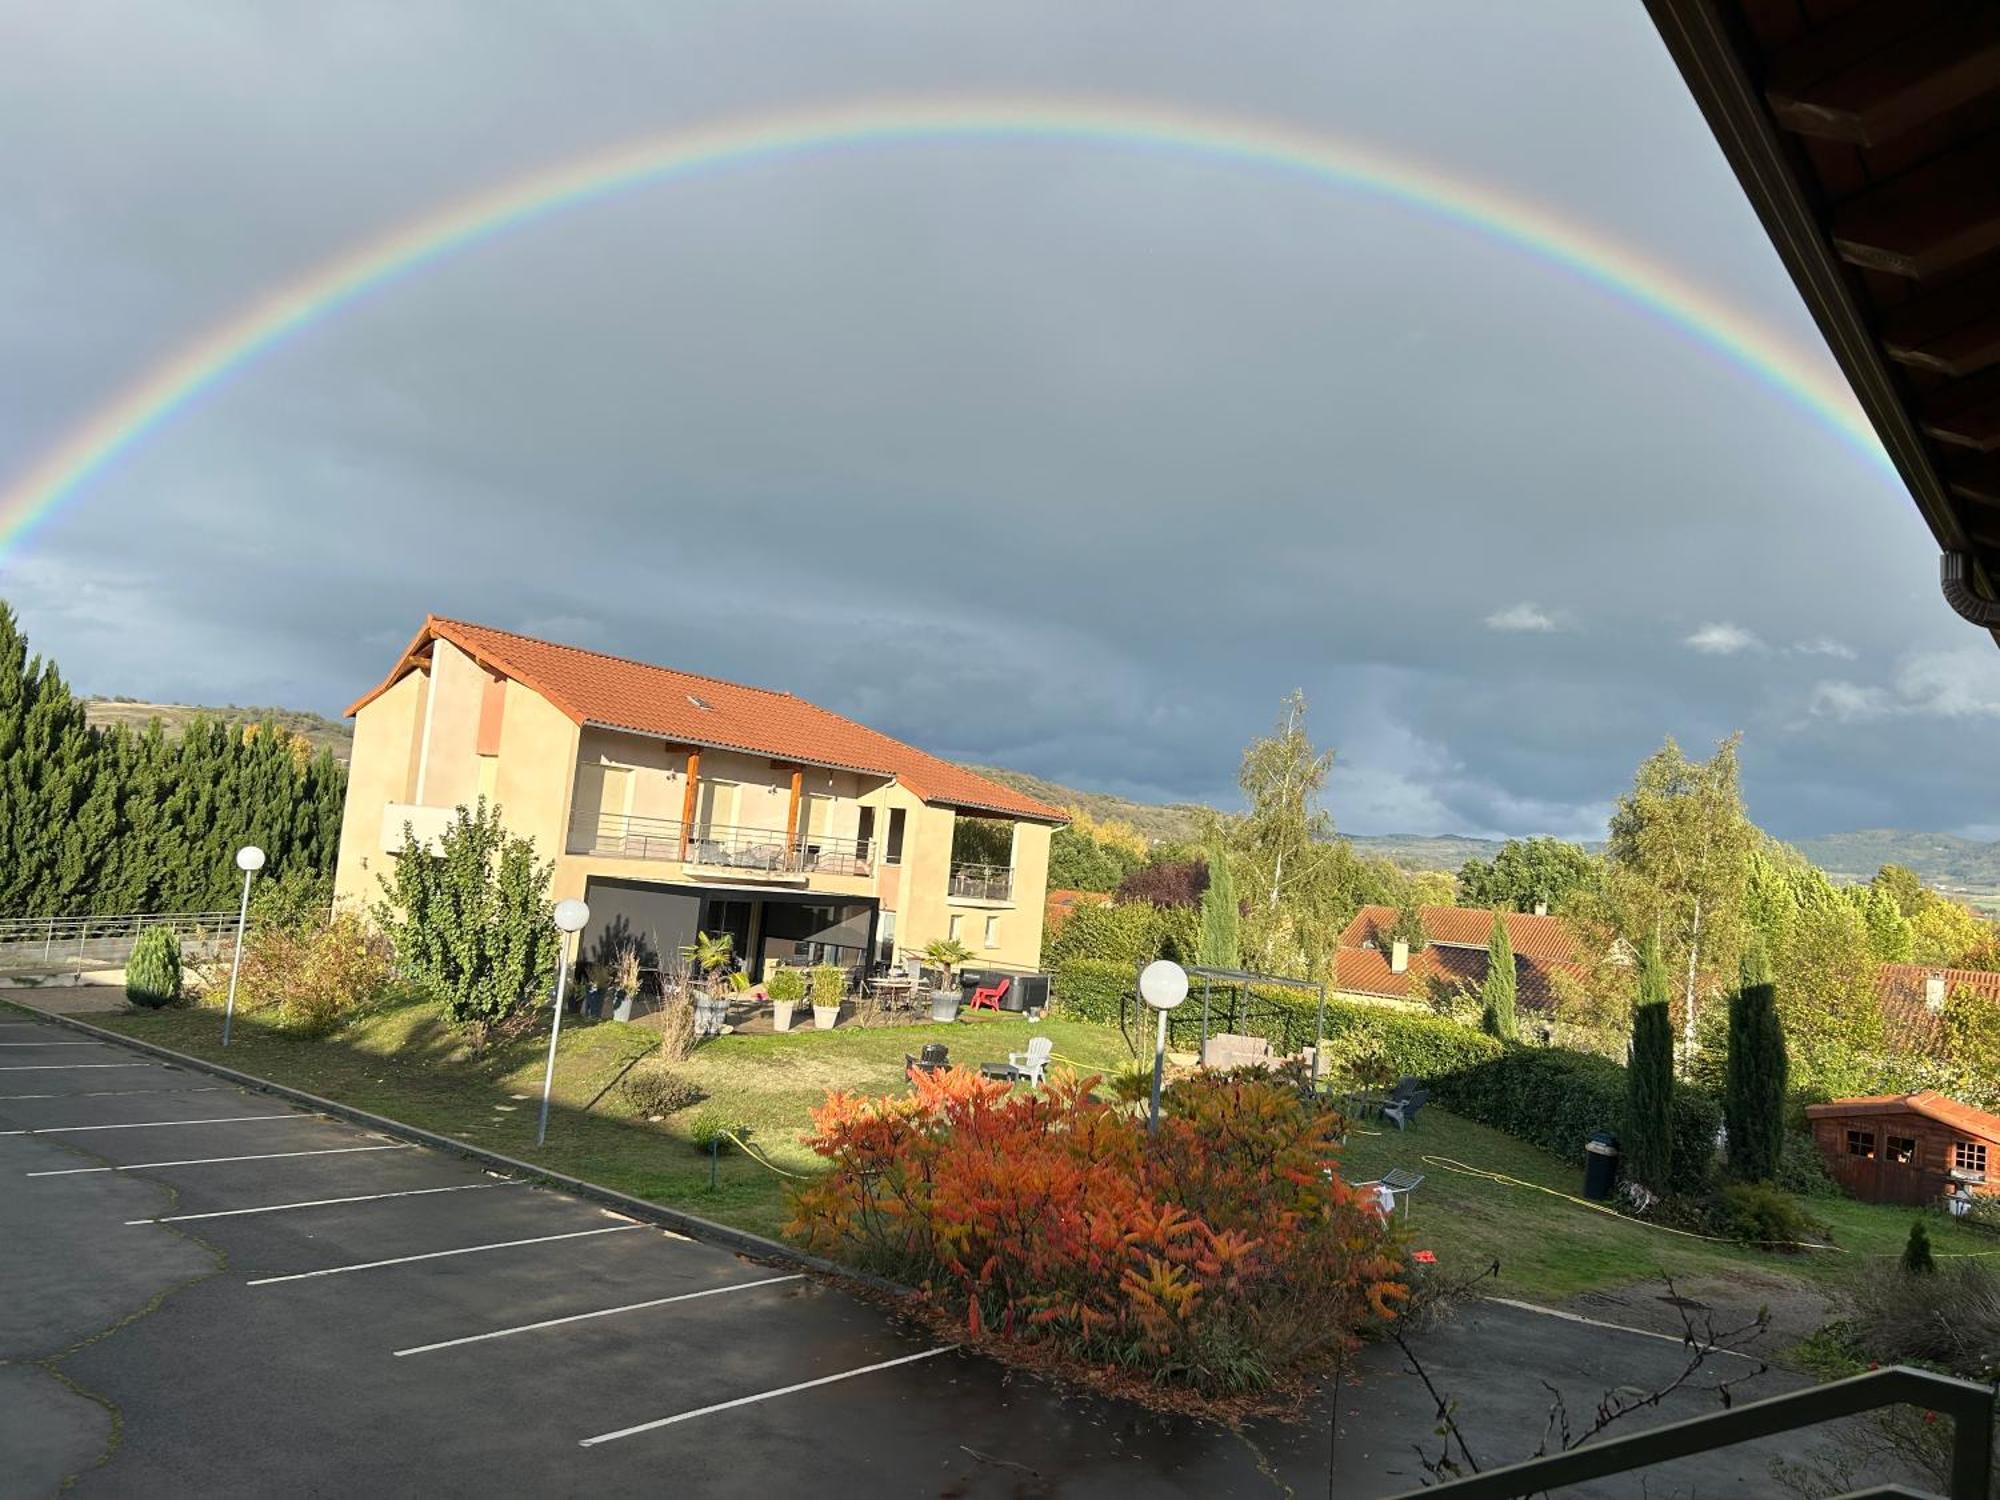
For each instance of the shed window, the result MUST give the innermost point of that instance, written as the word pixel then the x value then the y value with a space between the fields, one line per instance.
pixel 1902 1150
pixel 1861 1143
pixel 1968 1156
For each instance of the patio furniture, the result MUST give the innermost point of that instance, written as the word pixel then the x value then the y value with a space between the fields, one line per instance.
pixel 1404 1102
pixel 988 996
pixel 1004 1071
pixel 1034 1063
pixel 935 1056
pixel 1396 1180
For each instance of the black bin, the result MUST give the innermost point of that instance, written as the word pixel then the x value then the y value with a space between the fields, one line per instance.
pixel 1028 992
pixel 1600 1166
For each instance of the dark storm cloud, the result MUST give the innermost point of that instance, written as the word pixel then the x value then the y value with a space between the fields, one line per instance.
pixel 1055 456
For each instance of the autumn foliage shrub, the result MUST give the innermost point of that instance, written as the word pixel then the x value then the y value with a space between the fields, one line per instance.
pixel 1221 1263
pixel 311 979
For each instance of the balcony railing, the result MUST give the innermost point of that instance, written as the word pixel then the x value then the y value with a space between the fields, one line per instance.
pixel 982 882
pixel 721 846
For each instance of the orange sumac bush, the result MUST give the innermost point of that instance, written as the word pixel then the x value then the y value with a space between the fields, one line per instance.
pixel 1223 1259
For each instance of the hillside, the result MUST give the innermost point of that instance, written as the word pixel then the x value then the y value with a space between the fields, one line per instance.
pixel 1168 822
pixel 322 732
pixel 1415 851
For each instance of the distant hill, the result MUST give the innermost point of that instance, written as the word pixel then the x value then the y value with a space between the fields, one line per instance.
pixel 1943 859
pixel 324 733
pixel 1166 822
pixel 1417 851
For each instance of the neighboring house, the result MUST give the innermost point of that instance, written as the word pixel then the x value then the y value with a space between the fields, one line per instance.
pixel 1369 966
pixel 1913 997
pixel 1907 1148
pixel 675 804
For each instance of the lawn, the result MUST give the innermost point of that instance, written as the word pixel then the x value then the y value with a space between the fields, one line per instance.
pixel 404 1063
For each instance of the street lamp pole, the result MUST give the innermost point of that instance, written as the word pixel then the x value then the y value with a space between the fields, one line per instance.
pixel 249 859
pixel 570 917
pixel 1163 984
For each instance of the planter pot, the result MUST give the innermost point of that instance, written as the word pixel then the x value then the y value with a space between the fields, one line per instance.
pixel 944 1005
pixel 711 1014
pixel 825 1015
pixel 781 1014
pixel 621 1006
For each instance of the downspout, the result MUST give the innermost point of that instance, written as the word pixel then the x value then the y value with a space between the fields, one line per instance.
pixel 1955 578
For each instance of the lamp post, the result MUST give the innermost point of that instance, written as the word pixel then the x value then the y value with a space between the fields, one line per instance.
pixel 249 859
pixel 570 917
pixel 1163 984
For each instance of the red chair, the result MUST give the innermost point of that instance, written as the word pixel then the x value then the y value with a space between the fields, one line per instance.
pixel 988 997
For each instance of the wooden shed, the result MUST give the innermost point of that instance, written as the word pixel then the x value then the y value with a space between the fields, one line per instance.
pixel 1907 1148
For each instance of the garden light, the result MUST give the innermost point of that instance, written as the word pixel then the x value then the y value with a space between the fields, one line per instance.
pixel 249 859
pixel 1163 984
pixel 570 916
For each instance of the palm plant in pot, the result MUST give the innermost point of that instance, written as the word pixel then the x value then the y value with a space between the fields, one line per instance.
pixel 712 957
pixel 786 987
pixel 945 955
pixel 829 988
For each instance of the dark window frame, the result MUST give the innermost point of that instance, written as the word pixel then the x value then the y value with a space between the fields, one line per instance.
pixel 1861 1143
pixel 1900 1150
pixel 1964 1155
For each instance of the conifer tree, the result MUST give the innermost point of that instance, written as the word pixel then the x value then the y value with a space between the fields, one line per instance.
pixel 1649 1096
pixel 1754 1080
pixel 1499 990
pixel 1220 947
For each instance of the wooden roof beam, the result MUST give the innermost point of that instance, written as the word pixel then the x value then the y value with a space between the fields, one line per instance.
pixel 1886 68
pixel 1932 219
pixel 1967 413
pixel 1952 331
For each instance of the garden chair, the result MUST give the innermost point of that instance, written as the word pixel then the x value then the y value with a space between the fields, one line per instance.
pixel 1390 1183
pixel 989 996
pixel 934 1057
pixel 1401 1110
pixel 1033 1064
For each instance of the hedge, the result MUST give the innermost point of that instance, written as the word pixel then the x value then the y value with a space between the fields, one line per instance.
pixel 1556 1099
pixel 1393 1041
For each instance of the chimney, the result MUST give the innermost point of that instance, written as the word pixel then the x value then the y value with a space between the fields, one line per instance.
pixel 1541 908
pixel 1934 992
pixel 1399 956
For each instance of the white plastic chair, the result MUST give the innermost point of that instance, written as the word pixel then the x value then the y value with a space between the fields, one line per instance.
pixel 1033 1063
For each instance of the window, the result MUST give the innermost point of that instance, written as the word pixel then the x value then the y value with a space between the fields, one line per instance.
pixel 956 931
pixel 864 836
pixel 1902 1150
pixel 885 939
pixel 1861 1143
pixel 1968 1156
pixel 894 854
pixel 992 932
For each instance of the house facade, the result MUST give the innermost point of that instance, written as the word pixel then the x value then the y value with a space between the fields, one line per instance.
pixel 675 804
pixel 1370 965
pixel 1907 1148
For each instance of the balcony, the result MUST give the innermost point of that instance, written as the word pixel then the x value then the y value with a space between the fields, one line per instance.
pixel 993 883
pixel 723 850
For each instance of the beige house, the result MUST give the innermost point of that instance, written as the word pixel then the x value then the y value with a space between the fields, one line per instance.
pixel 676 804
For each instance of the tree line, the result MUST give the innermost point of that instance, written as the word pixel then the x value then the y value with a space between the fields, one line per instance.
pixel 98 821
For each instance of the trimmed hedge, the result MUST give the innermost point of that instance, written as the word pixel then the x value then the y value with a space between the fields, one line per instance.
pixel 1556 1099
pixel 1391 1041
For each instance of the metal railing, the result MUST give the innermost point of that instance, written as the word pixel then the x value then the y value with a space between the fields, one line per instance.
pixel 1968 1404
pixel 982 882
pixel 73 939
pixel 721 846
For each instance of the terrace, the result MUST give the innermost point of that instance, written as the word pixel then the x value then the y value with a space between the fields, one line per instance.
pixel 725 848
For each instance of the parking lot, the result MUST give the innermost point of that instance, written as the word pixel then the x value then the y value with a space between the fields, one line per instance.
pixel 213 1292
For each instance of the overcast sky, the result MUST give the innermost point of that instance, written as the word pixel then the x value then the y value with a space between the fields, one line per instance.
pixel 1050 455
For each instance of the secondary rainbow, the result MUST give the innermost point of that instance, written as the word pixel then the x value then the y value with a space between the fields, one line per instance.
pixel 1809 380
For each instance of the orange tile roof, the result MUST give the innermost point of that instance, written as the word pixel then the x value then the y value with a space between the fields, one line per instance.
pixel 1550 939
pixel 1926 1102
pixel 592 688
pixel 1366 971
pixel 1913 1026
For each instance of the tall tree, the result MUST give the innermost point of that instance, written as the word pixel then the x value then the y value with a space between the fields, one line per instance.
pixel 1649 1096
pixel 1753 1090
pixel 1526 873
pixel 1221 947
pixel 1679 860
pixel 1497 993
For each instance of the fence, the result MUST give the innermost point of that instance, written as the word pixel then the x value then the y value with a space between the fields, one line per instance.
pixel 68 942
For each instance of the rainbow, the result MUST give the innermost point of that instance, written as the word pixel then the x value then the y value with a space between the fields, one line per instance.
pixel 1807 379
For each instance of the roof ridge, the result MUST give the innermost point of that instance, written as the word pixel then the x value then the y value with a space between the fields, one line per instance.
pixel 629 661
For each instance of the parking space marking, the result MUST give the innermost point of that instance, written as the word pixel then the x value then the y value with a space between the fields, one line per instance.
pixel 278 1208
pixel 602 1312
pixel 51 1044
pixel 211 1088
pixel 404 1260
pixel 160 1124
pixel 783 1390
pixel 209 1161
pixel 70 1067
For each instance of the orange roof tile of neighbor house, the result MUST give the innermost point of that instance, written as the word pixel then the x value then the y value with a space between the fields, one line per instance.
pixel 1367 971
pixel 612 691
pixel 1913 1017
pixel 1926 1102
pixel 1550 939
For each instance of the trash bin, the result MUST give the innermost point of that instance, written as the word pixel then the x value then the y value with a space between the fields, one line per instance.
pixel 1600 1166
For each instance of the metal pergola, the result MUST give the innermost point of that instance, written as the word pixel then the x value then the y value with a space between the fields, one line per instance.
pixel 1244 1006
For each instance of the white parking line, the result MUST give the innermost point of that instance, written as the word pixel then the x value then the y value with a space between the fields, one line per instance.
pixel 51 1044
pixel 212 1088
pixel 70 1067
pixel 206 1161
pixel 158 1124
pixel 277 1208
pixel 404 1260
pixel 1644 1333
pixel 602 1312
pixel 783 1390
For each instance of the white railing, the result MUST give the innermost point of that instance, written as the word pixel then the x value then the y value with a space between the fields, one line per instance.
pixel 68 939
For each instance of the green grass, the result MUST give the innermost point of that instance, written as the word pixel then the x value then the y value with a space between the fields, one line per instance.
pixel 1551 1248
pixel 404 1063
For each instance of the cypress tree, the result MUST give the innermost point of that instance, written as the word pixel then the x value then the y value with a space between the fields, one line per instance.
pixel 1753 1087
pixel 1917 1257
pixel 1220 947
pixel 1498 991
pixel 1649 1096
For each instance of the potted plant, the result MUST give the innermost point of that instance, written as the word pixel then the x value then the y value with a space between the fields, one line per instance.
pixel 712 957
pixel 786 987
pixel 625 981
pixel 945 955
pixel 829 988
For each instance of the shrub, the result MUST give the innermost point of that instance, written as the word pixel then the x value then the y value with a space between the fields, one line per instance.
pixel 1949 1319
pixel 1130 934
pixel 1917 1257
pixel 676 1026
pixel 1050 1225
pixel 314 979
pixel 654 1090
pixel 705 1129
pixel 1092 989
pixel 829 986
pixel 1555 1098
pixel 1802 1170
pixel 153 972
pixel 1758 1214
pixel 786 984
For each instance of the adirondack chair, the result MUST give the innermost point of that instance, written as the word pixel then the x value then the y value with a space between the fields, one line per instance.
pixel 1033 1064
pixel 989 996
pixel 1404 1102
pixel 936 1055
